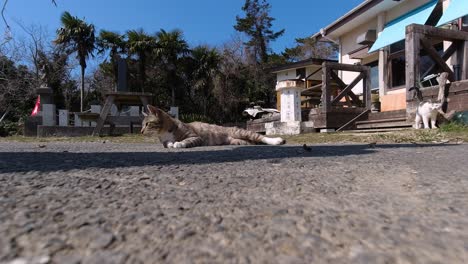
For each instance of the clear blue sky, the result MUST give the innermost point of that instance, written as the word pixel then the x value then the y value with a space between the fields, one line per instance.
pixel 202 21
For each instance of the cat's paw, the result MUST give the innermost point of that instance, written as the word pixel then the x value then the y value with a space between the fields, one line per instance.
pixel 170 145
pixel 179 145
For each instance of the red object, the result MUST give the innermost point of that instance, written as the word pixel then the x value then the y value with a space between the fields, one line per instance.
pixel 36 107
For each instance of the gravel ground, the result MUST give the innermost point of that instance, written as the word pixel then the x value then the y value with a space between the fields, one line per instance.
pixel 140 203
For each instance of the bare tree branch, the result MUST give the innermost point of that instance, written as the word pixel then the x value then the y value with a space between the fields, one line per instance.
pixel 5 2
pixel 3 15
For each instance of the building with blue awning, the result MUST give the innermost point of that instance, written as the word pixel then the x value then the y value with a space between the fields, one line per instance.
pixel 374 32
pixel 401 43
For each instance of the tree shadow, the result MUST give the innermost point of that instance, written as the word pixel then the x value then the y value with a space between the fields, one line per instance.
pixel 11 162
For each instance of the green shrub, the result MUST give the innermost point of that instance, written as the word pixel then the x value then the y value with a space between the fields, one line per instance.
pixel 9 128
pixel 188 118
pixel 453 127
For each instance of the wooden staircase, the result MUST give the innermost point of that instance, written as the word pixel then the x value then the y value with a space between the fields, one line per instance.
pixel 385 120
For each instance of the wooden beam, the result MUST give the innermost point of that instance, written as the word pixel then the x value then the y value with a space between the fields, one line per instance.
pixel 345 67
pixel 343 85
pixel 352 120
pixel 464 75
pixel 447 54
pixel 103 116
pixel 438 60
pixel 434 32
pixel 413 46
pixel 367 89
pixel 348 88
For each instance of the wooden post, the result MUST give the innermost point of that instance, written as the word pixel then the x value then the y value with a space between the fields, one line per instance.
pixel 326 88
pixel 464 74
pixel 413 75
pixel 367 86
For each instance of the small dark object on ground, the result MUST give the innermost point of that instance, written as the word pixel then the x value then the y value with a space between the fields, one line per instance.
pixel 306 148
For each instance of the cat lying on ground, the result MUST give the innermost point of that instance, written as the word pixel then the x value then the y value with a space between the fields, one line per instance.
pixel 173 133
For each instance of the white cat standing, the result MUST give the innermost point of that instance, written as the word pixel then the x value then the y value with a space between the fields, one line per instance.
pixel 427 112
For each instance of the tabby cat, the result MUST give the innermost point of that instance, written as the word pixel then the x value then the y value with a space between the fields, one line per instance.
pixel 173 133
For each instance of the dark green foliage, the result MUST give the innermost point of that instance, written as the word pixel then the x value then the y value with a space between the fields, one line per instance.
pixel 76 35
pixel 140 44
pixel 16 89
pixel 257 26
pixel 188 118
pixel 115 44
pixel 10 128
pixel 307 48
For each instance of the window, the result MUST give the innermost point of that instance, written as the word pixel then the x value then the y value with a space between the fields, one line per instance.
pixel 397 65
pixel 427 62
pixel 374 71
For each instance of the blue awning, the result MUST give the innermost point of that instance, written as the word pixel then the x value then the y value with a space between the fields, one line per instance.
pixel 456 9
pixel 394 31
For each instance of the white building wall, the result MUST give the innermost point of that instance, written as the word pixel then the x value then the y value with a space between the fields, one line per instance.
pixel 348 44
pixel 285 75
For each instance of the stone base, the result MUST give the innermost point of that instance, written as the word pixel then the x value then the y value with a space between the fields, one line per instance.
pixel 289 128
pixel 31 124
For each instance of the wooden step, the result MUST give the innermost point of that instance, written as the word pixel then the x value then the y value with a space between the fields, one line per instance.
pixel 383 123
pixel 387 114
pixel 376 130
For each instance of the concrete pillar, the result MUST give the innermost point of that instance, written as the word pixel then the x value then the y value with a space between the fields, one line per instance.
pixel 63 117
pixel 95 109
pixel 174 112
pixel 114 111
pixel 290 103
pixel 46 95
pixel 134 111
pixel 383 55
pixel 49 117
pixel 78 122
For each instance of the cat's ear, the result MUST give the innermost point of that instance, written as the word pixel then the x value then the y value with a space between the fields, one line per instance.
pixel 143 113
pixel 153 110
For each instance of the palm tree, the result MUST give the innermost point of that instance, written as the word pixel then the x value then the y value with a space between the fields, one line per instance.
pixel 140 44
pixel 77 36
pixel 170 47
pixel 115 44
pixel 205 69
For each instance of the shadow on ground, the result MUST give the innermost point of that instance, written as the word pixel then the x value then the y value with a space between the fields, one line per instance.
pixel 63 161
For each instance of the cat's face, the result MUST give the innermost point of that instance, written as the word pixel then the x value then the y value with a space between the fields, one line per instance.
pixel 153 122
pixel 436 106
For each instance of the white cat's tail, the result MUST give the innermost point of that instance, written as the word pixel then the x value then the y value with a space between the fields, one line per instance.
pixel 273 141
pixel 253 137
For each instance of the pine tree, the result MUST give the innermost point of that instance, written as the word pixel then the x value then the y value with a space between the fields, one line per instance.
pixel 257 26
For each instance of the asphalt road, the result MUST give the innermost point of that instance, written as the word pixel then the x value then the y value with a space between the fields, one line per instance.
pixel 140 203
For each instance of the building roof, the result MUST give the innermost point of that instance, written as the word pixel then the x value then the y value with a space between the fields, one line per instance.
pixel 299 64
pixel 361 14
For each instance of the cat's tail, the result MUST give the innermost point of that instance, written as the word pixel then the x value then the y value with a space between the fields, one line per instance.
pixel 255 137
pixel 273 141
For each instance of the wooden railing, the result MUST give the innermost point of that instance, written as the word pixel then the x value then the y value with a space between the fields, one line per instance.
pixel 332 90
pixel 421 38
